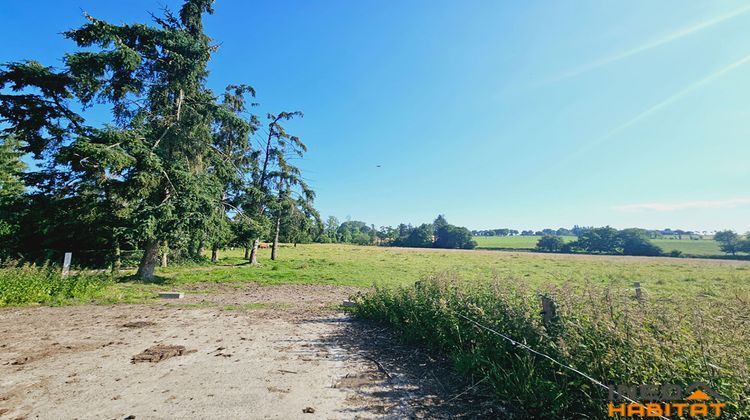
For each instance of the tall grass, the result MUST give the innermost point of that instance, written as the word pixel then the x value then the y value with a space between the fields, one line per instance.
pixel 44 284
pixel 602 331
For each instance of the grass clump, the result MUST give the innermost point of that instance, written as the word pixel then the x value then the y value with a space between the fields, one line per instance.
pixel 600 330
pixel 28 284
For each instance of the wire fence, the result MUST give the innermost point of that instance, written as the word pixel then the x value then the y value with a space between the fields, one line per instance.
pixel 520 345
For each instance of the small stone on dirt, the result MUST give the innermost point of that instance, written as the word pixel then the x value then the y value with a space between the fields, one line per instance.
pixel 308 410
pixel 160 352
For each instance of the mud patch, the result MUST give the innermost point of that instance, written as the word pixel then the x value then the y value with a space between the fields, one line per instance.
pixel 139 324
pixel 160 352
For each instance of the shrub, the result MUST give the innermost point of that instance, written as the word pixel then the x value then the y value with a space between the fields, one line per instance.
pixel 44 284
pixel 600 331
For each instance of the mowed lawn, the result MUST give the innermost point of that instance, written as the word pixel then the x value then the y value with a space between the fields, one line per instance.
pixel 697 248
pixel 365 266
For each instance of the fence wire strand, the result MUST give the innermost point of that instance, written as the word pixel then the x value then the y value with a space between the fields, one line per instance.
pixel 523 346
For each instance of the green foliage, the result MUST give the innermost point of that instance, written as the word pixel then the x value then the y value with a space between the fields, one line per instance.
pixel 607 240
pixel 449 236
pixel 550 243
pixel 173 164
pixel 602 240
pixel 44 284
pixel 422 236
pixel 353 232
pixel 11 168
pixel 729 241
pixel 635 242
pixel 600 330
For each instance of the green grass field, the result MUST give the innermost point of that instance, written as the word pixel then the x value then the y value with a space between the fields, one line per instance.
pixel 365 266
pixel 697 248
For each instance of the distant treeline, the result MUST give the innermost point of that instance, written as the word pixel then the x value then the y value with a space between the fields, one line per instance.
pixel 608 240
pixel 577 230
pixel 438 234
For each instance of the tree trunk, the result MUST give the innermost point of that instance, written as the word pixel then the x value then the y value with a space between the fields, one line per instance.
pixel 214 254
pixel 247 252
pixel 254 252
pixel 164 252
pixel 275 246
pixel 149 261
pixel 199 252
pixel 116 261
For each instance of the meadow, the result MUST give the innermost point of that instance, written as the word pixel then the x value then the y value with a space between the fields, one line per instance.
pixel 365 266
pixel 688 247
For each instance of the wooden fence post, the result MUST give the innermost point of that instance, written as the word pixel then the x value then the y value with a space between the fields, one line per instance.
pixel 548 309
pixel 66 264
pixel 638 293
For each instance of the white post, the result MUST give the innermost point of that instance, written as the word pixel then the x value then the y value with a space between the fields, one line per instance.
pixel 66 264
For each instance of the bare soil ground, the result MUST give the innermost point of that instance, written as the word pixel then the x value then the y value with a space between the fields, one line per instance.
pixel 221 352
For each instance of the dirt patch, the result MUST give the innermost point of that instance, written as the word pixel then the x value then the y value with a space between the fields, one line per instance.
pixel 139 324
pixel 160 352
pixel 264 363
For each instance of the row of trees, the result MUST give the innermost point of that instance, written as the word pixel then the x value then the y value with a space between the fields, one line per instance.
pixel 603 240
pixel 608 240
pixel 173 172
pixel 438 234
pixel 514 232
pixel 577 230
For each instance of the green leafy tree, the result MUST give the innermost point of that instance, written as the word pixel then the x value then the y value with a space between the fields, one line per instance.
pixel 550 243
pixel 422 236
pixel 450 236
pixel 636 242
pixel 158 154
pixel 745 245
pixel 331 228
pixel 11 168
pixel 729 241
pixel 11 193
pixel 173 161
pixel 604 240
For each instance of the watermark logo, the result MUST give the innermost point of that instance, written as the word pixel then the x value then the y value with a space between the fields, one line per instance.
pixel 697 400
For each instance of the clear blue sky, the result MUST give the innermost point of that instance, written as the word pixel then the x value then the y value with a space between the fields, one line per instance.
pixel 497 114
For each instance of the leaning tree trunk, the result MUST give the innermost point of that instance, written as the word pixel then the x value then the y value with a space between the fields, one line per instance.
pixel 247 252
pixel 275 246
pixel 254 252
pixel 149 261
pixel 214 253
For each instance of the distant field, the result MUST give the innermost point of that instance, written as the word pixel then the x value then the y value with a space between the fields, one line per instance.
pixel 699 248
pixel 364 266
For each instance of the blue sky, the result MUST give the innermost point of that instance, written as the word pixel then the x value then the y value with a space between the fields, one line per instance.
pixel 496 114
